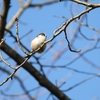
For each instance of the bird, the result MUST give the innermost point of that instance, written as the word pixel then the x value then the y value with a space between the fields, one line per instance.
pixel 37 42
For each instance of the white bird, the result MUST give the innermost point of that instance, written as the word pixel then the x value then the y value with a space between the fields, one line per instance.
pixel 37 43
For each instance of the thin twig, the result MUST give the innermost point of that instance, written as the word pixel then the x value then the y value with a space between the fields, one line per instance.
pixel 77 84
pixel 11 75
pixel 77 51
pixel 86 4
pixel 18 41
pixel 60 29
pixel 5 61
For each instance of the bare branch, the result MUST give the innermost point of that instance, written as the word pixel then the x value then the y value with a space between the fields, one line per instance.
pixel 40 76
pixel 5 61
pixel 18 41
pixel 43 3
pixel 74 86
pixel 77 51
pixel 19 12
pixel 61 29
pixel 86 4
pixel 20 82
pixel 11 75
pixel 3 17
pixel 72 69
pixel 43 81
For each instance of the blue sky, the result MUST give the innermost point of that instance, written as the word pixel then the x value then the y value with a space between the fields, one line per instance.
pixel 46 19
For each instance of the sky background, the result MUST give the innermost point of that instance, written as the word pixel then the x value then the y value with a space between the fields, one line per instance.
pixel 47 19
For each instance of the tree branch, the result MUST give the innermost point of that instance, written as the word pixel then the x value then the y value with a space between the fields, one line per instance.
pixel 43 81
pixel 3 17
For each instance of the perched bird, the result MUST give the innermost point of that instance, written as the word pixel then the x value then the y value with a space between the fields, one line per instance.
pixel 37 43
